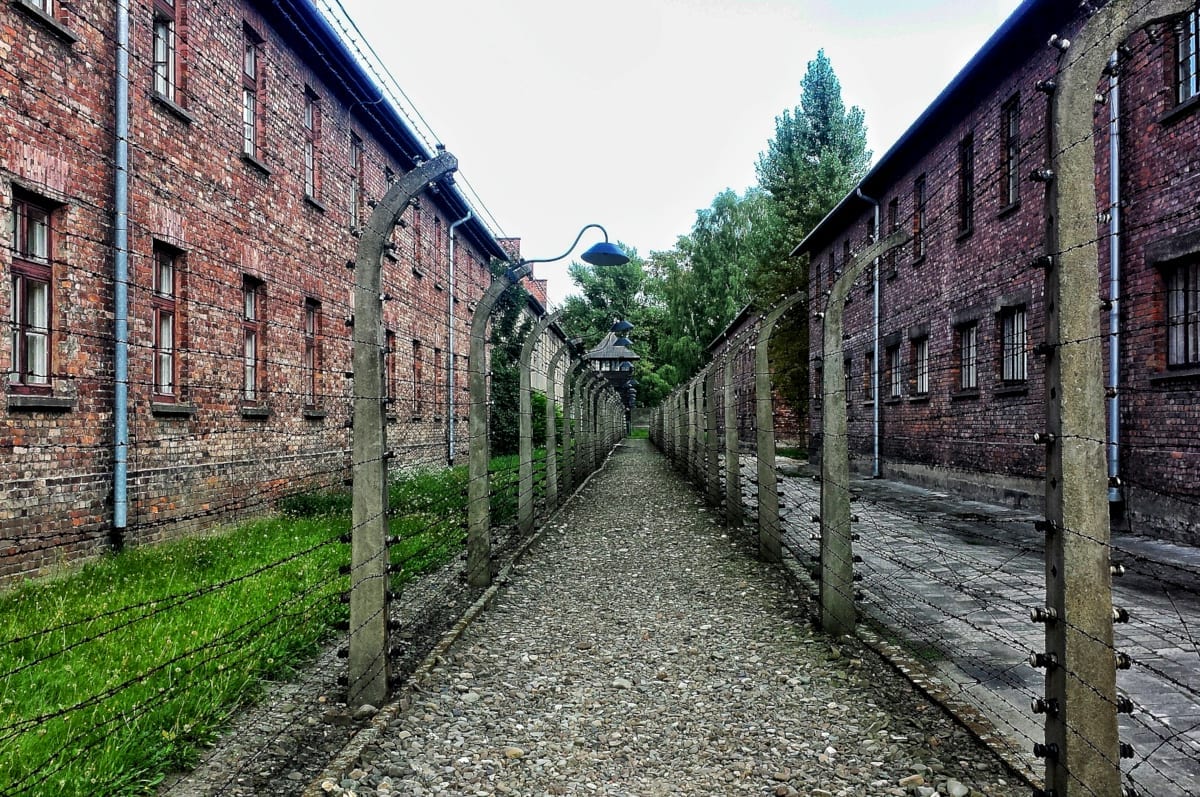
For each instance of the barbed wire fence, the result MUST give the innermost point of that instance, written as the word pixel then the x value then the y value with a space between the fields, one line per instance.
pixel 956 583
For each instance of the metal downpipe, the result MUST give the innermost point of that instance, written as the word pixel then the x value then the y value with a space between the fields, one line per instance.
pixel 121 283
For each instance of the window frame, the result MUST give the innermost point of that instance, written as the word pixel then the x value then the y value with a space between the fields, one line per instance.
pixel 966 185
pixel 1182 317
pixel 166 66
pixel 252 321
pixel 1010 152
pixel 920 188
pixel 869 377
pixel 1014 344
pixel 311 125
pixel 893 222
pixel 920 348
pixel 356 179
pixel 164 306
pixel 251 79
pixel 895 372
pixel 1187 57
pixel 968 356
pixel 419 397
pixel 31 268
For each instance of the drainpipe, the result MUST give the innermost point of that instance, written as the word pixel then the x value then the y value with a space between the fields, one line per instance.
pixel 875 470
pixel 1114 281
pixel 121 283
pixel 450 342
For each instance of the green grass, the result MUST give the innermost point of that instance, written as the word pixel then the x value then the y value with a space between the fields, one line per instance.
pixel 639 433
pixel 791 452
pixel 124 670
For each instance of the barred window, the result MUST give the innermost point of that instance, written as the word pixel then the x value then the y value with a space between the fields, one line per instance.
pixel 30 300
pixel 164 302
pixel 1183 315
pixel 1187 56
pixel 968 357
pixel 1010 142
pixel 1014 352
pixel 921 365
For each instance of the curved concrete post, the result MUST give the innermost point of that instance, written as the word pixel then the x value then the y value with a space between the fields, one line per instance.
pixel 712 465
pixel 577 423
pixel 525 488
pixel 552 428
pixel 368 673
pixel 733 466
pixel 770 532
pixel 695 434
pixel 837 554
pixel 1078 575
pixel 479 540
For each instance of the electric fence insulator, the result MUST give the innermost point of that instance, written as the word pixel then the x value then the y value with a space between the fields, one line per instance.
pixel 1117 569
pixel 1043 614
pixel 1045 438
pixel 1120 614
pixel 1126 750
pixel 1047 706
pixel 1046 660
pixel 1124 704
pixel 1046 86
pixel 1124 662
pixel 1049 751
pixel 1042 175
pixel 1059 43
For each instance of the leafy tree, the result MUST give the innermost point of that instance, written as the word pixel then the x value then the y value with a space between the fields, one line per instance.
pixel 819 153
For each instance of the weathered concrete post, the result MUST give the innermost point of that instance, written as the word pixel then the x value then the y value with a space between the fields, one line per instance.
pixel 770 532
pixel 577 423
pixel 837 553
pixel 733 464
pixel 1082 743
pixel 525 488
pixel 552 428
pixel 368 663
pixel 712 466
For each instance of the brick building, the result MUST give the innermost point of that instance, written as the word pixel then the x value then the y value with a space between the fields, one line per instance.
pixel 256 147
pixel 948 387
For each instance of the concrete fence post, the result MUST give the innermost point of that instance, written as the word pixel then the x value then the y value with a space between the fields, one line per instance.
pixel 369 672
pixel 770 532
pixel 552 428
pixel 734 515
pixel 837 552
pixel 525 488
pixel 1082 744
pixel 712 465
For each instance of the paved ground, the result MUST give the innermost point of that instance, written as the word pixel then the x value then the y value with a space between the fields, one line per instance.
pixel 955 579
pixel 640 649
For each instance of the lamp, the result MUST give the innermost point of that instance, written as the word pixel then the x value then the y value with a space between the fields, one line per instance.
pixel 599 254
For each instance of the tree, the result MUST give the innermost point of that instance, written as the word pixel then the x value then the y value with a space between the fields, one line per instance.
pixel 819 153
pixel 509 327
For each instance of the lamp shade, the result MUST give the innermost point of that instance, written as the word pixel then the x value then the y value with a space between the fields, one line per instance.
pixel 621 326
pixel 605 254
pixel 623 341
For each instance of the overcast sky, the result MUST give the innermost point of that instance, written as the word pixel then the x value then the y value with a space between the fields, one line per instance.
pixel 635 113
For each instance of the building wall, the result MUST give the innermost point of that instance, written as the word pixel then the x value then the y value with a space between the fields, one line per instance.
pixel 982 438
pixel 206 456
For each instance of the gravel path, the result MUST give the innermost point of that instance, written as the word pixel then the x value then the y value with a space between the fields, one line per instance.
pixel 639 649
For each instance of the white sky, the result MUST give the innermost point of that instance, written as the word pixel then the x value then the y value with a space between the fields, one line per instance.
pixel 634 114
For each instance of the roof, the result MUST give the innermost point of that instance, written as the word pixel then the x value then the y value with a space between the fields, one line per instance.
pixel 1024 32
pixel 609 350
pixel 308 32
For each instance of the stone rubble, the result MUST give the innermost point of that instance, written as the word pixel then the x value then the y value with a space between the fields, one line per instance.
pixel 641 649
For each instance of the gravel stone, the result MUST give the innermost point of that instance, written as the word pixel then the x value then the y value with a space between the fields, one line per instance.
pixel 642 649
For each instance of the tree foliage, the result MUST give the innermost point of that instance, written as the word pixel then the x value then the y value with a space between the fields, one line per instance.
pixel 509 328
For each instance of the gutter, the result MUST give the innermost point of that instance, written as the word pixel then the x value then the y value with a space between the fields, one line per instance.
pixel 450 341
pixel 121 284
pixel 1114 282
pixel 878 360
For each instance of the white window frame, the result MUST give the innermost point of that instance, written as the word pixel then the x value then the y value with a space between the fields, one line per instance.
pixel 1014 330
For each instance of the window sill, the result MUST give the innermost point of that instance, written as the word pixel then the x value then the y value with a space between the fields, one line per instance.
pixel 171 409
pixel 418 272
pixel 314 203
pixel 1181 374
pixel 916 261
pixel 964 395
pixel 256 164
pixel 1183 109
pixel 892 273
pixel 1009 209
pixel 37 402
pixel 437 286
pixel 392 417
pixel 893 401
pixel 256 413
pixel 53 25
pixel 314 414
pixel 918 398
pixel 1012 389
pixel 964 234
pixel 869 403
pixel 172 107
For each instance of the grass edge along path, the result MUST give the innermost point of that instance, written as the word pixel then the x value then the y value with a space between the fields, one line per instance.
pixel 125 669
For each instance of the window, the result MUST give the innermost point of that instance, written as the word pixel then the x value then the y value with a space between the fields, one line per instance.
pixel 356 173
pixel 418 380
pixel 417 243
pixel 389 366
pixel 439 241
pixel 1010 142
pixel 848 376
pixel 895 373
pixel 166 66
pixel 1013 355
pixel 43 5
pixel 869 377
pixel 921 366
pixel 919 218
pixel 1187 56
pixel 312 352
pixel 312 132
pixel 251 69
pixel 968 357
pixel 252 320
pixel 439 395
pixel 1183 315
pixel 31 279
pixel 164 302
pixel 893 222
pixel 966 185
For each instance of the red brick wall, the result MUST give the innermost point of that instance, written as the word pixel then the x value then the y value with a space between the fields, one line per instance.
pixel 973 276
pixel 192 190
